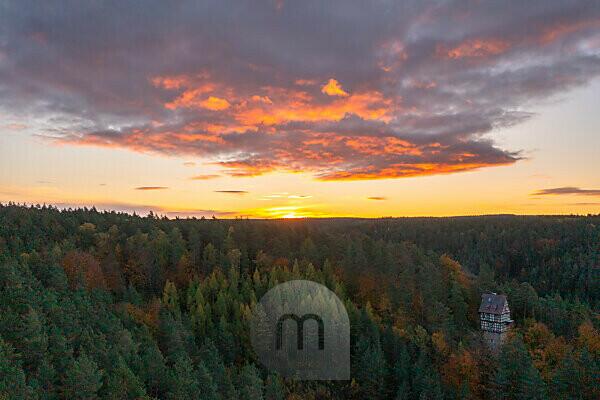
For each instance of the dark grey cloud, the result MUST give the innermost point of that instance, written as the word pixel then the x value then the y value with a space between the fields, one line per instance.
pixel 241 192
pixel 568 190
pixel 239 83
pixel 151 188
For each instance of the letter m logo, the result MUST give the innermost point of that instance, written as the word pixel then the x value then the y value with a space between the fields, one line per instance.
pixel 300 329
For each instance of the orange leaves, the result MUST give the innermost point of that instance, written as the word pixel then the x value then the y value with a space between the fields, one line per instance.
pixel 147 316
pixel 367 288
pixel 461 369
pixel 83 270
pixel 538 335
pixel 589 337
pixel 454 270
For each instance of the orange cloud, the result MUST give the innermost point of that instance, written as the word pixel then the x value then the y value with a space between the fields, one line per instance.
pixel 375 145
pixel 407 170
pixel 299 106
pixel 475 48
pixel 191 98
pixel 293 128
pixel 333 88
pixel 215 104
pixel 245 169
pixel 262 99
pixel 552 33
pixel 205 177
pixel 274 105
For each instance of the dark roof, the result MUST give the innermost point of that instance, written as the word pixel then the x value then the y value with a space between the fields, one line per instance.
pixel 492 303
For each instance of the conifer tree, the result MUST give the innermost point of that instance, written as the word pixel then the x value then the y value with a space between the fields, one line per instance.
pixel 12 377
pixel 517 378
pixel 250 385
pixel 370 369
pixel 185 385
pixel 212 360
pixel 209 258
pixel 122 383
pixel 402 373
pixel 33 340
pixel 206 384
pixel 566 380
pixel 170 298
pixel 153 370
pixel 83 379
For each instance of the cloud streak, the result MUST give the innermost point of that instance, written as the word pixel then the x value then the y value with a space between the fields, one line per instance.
pixel 347 90
pixel 236 192
pixel 205 177
pixel 567 190
pixel 150 188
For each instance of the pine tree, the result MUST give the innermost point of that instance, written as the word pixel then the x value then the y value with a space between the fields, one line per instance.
pixel 170 298
pixel 199 318
pixel 33 340
pixel 83 379
pixel 226 340
pixel 517 378
pixel 209 258
pixel 122 383
pixel 426 379
pixel 249 383
pixel 61 354
pixel 458 306
pixel 589 364
pixel 12 377
pixel 402 371
pixel 566 380
pixel 370 369
pixel 207 386
pixel 172 341
pixel 184 381
pixel 212 360
pixel 153 370
pixel 44 381
pixel 485 279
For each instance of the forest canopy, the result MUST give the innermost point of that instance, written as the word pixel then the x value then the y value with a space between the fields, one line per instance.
pixel 106 305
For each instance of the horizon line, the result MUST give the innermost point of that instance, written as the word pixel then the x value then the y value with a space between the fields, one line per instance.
pixel 161 214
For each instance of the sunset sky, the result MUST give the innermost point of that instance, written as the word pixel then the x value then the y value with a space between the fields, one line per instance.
pixel 302 108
